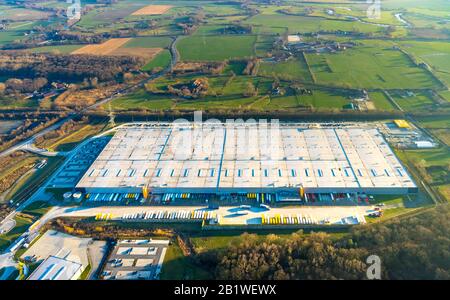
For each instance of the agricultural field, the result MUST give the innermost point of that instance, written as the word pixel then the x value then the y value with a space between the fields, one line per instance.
pixel 432 165
pixel 64 49
pixel 161 60
pixel 106 48
pixel 413 101
pixel 121 46
pixel 435 54
pixel 227 92
pixel 140 99
pixel 375 63
pixel 381 101
pixel 216 48
pixel 276 23
pixel 15 14
pixel 105 16
pixel 148 42
pixel 16 31
pixel 369 66
pixel 17 103
pixel 439 126
pixel 152 10
pixel 294 69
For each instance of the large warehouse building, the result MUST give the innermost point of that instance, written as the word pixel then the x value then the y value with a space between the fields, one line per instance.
pixel 290 160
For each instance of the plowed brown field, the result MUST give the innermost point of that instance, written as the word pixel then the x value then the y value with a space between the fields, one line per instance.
pixel 107 48
pixel 152 10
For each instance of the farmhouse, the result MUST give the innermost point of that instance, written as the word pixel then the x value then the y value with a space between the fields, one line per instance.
pixel 286 161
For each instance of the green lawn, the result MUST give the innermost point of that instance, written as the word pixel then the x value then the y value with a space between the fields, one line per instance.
pixel 216 48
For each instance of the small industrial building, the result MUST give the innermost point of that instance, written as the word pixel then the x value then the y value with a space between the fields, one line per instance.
pixel 56 268
pixel 264 161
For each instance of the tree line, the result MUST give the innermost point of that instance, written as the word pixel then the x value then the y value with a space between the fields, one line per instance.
pixel 69 68
pixel 414 248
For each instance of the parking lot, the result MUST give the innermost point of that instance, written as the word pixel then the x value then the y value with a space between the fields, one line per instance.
pixel 228 215
pixel 135 260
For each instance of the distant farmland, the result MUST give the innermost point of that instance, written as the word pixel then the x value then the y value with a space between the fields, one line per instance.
pixel 116 47
pixel 369 67
pixel 435 54
pixel 105 48
pixel 293 69
pixel 303 24
pixel 152 10
pixel 216 48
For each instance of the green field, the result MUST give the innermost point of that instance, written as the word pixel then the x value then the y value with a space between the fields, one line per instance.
pixel 434 164
pixel 292 69
pixel 161 60
pixel 109 15
pixel 369 66
pixel 227 92
pixel 381 101
pixel 16 31
pixel 143 100
pixel 148 42
pixel 275 22
pixel 435 54
pixel 222 9
pixel 178 267
pixel 415 102
pixel 216 48
pixel 13 103
pixel 64 49
pixel 32 182
pixel 23 222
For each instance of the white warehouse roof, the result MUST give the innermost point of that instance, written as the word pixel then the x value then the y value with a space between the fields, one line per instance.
pixel 56 268
pixel 233 157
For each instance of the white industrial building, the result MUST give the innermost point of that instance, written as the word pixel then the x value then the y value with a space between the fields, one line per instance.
pixel 56 268
pixel 164 158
